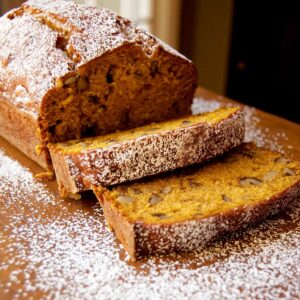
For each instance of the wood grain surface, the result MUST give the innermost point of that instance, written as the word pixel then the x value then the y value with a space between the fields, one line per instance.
pixel 61 249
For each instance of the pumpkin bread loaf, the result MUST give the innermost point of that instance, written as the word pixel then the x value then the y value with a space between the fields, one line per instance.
pixel 143 151
pixel 70 71
pixel 185 210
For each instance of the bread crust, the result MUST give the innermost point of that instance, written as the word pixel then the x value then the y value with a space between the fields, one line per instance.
pixel 20 128
pixel 147 155
pixel 140 239
pixel 44 41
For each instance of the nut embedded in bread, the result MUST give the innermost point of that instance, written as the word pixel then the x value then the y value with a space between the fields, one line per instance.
pixel 185 210
pixel 69 71
pixel 143 151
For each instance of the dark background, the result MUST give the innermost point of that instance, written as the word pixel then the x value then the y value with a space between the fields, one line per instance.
pixel 264 53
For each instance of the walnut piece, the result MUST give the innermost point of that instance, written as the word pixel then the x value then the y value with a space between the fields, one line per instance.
pixel 289 172
pixel 82 83
pixel 154 199
pixel 123 199
pixel 166 189
pixel 246 181
pixel 226 198
pixel 160 216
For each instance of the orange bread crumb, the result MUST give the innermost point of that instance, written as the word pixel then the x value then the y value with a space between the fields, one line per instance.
pixel 148 150
pixel 249 179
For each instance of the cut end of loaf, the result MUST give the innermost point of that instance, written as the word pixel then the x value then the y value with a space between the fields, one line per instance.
pixel 124 89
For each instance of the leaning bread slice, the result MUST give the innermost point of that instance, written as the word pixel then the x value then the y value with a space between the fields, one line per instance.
pixel 144 151
pixel 186 209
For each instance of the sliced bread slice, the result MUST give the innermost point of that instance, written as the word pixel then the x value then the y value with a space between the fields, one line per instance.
pixel 186 209
pixel 152 149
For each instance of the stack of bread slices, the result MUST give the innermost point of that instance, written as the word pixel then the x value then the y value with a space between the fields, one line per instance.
pixel 106 106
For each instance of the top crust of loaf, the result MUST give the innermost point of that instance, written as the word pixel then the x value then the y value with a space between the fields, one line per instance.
pixel 45 39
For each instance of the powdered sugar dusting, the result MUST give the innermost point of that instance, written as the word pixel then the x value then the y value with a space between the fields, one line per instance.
pixel 59 249
pixel 254 132
pixel 31 55
pixel 16 180
pixel 34 66
pixel 260 135
pixel 201 105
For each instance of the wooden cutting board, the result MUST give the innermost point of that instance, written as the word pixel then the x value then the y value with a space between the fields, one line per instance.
pixel 60 249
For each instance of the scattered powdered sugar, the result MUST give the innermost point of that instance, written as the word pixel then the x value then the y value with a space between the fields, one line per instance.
pixel 60 249
pixel 254 133
pixel 201 105
pixel 15 180
pixel 260 135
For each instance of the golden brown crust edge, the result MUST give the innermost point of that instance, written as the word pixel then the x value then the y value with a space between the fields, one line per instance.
pixel 141 239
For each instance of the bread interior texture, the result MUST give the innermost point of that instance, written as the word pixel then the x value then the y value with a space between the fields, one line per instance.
pixel 120 90
pixel 244 177
pixel 86 144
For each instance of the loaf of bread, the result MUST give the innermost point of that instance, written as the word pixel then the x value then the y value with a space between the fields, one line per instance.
pixel 69 71
pixel 185 210
pixel 143 151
